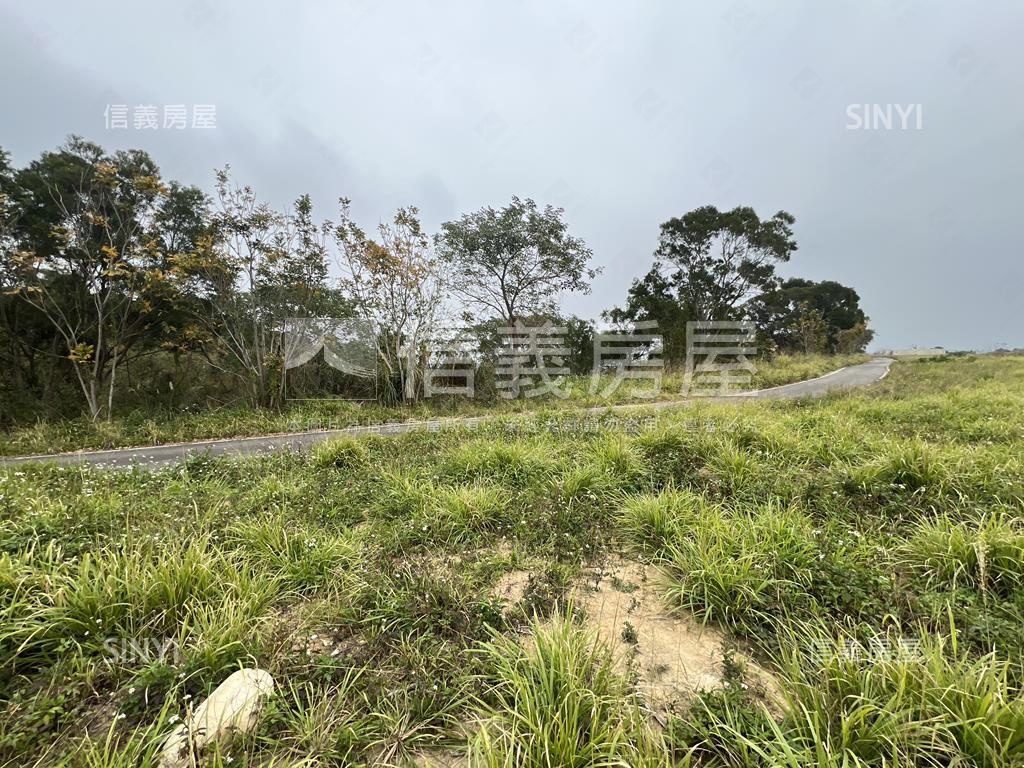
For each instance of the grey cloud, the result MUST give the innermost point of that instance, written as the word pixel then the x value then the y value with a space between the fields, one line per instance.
pixel 624 114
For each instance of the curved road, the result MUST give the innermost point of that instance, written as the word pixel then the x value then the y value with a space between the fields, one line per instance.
pixel 162 455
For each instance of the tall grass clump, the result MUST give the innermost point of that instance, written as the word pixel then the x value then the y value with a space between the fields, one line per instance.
pixel 748 572
pixel 926 705
pixel 652 522
pixel 513 463
pixel 985 553
pixel 303 556
pixel 340 453
pixel 400 495
pixel 677 451
pixel 460 514
pixel 884 705
pixel 908 470
pixel 556 700
pixel 617 456
pixel 141 591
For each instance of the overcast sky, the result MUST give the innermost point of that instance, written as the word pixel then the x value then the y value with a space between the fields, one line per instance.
pixel 623 113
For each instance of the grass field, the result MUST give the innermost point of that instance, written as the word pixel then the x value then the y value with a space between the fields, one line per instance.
pixel 826 583
pixel 146 427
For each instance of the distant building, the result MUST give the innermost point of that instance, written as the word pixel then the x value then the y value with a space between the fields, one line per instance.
pixel 913 352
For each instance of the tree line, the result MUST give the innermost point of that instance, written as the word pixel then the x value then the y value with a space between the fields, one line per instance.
pixel 121 289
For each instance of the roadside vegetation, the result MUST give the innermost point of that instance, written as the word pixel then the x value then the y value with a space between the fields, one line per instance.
pixel 148 427
pixel 136 309
pixel 423 600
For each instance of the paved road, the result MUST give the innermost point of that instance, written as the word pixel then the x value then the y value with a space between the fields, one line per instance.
pixel 845 378
pixel 163 455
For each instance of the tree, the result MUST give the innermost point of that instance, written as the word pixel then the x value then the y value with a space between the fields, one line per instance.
pixel 397 286
pixel 810 329
pixel 854 339
pixel 714 261
pixel 513 262
pixel 88 257
pixel 779 313
pixel 579 340
pixel 255 268
pixel 8 212
pixel 11 382
pixel 652 298
pixel 707 266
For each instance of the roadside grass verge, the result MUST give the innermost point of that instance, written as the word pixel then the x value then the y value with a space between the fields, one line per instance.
pixel 142 427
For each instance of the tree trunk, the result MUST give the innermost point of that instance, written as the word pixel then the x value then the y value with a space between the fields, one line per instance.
pixel 110 389
pixel 410 376
pixel 92 397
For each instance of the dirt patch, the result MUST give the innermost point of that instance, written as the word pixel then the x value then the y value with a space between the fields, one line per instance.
pixel 512 586
pixel 298 634
pixel 440 759
pixel 670 656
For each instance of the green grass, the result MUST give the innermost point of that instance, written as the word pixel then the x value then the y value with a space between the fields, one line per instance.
pixel 867 549
pixel 559 701
pixel 141 427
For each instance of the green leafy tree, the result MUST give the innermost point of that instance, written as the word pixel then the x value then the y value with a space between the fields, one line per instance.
pixel 779 314
pixel 88 257
pixel 715 261
pixel 652 298
pixel 513 262
pixel 854 339
pixel 707 266
pixel 810 329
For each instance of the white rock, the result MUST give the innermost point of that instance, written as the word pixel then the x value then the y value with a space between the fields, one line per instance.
pixel 233 707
